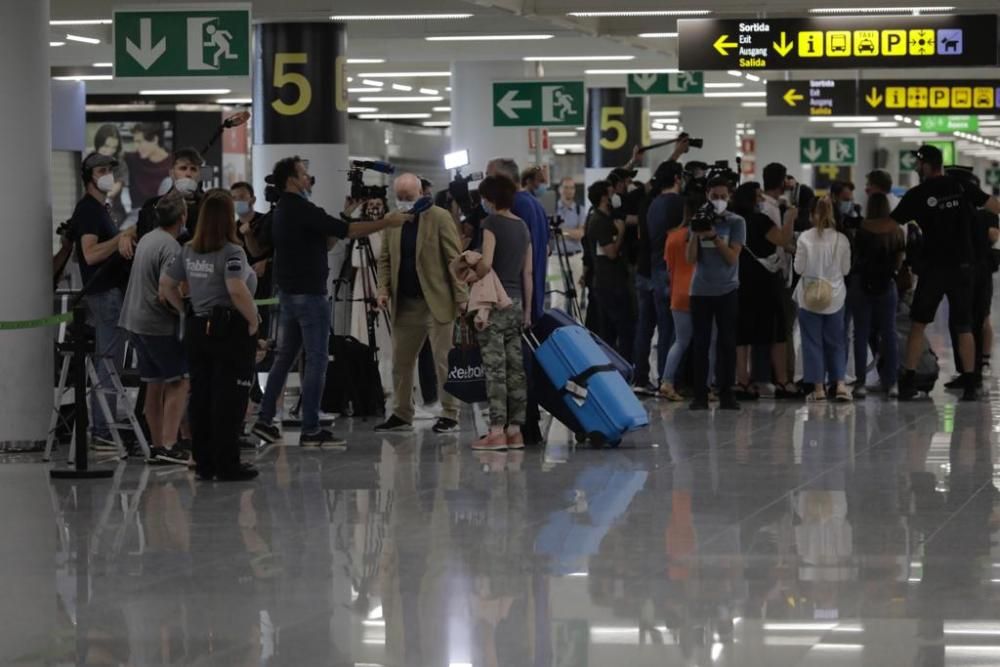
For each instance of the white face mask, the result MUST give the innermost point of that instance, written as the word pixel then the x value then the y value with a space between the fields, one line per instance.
pixel 846 207
pixel 242 208
pixel 106 182
pixel 404 206
pixel 616 200
pixel 185 185
pixel 720 205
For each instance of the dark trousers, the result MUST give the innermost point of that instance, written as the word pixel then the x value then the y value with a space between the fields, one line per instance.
pixel 982 299
pixel 222 370
pixel 722 311
pixel 617 323
pixel 645 324
pixel 427 374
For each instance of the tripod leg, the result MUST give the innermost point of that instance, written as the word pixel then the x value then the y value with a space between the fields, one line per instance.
pixel 54 422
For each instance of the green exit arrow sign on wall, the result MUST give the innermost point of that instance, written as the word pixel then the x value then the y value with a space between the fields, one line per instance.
pixel 676 83
pixel 538 103
pixel 827 150
pixel 949 123
pixel 209 41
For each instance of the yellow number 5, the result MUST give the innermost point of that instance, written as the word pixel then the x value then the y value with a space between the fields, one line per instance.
pixel 616 126
pixel 282 78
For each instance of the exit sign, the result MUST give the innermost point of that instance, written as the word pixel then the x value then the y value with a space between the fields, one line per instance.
pixel 949 123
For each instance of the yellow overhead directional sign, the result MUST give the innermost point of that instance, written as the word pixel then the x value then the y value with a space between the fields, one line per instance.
pixel 874 98
pixel 942 96
pixel 866 43
pixel 792 97
pixel 811 44
pixel 722 46
pixel 784 46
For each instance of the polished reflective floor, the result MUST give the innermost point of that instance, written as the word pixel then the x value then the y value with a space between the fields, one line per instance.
pixel 786 535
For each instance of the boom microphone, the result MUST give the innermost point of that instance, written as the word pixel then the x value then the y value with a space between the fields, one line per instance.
pixel 374 165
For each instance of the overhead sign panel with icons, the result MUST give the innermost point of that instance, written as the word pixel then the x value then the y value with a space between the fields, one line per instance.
pixel 838 42
pixel 936 96
pixel 949 124
pixel 815 97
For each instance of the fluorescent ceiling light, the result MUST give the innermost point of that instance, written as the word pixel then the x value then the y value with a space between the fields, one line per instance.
pixel 656 35
pixel 887 123
pixel 81 22
pixel 373 82
pixel 429 91
pixel 364 89
pixel 878 10
pixel 104 64
pixel 752 77
pixel 556 134
pixel 86 77
pixel 401 75
pixel 665 113
pixel 436 123
pixel 362 109
pixel 234 100
pixel 488 38
pixel 570 147
pixel 400 98
pixel 740 93
pixel 753 105
pixel 630 14
pixel 365 61
pixel 83 40
pixel 187 91
pixel 441 109
pixel 393 116
pixel 667 70
pixel 398 17
pixel 844 119
pixel 570 59
pixel 734 84
pixel 402 87
pixel 57 43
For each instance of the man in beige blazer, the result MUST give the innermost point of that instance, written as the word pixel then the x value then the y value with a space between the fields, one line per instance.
pixel 423 299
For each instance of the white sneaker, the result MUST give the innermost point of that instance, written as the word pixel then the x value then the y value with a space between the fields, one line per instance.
pixel 427 413
pixel 894 391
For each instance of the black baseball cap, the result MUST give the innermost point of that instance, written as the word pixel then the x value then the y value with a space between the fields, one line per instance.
pixel 95 160
pixel 929 154
pixel 667 172
pixel 621 173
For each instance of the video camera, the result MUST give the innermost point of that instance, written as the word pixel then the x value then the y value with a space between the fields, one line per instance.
pixel 704 218
pixel 697 176
pixel 356 177
pixel 459 186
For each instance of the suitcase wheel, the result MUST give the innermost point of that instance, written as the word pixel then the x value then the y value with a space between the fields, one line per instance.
pixel 597 439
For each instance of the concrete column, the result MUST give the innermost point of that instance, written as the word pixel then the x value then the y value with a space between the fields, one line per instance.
pixel 25 256
pixel 717 126
pixel 778 141
pixel 472 114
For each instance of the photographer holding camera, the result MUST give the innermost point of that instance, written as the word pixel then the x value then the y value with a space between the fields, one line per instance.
pixel 715 241
pixel 303 234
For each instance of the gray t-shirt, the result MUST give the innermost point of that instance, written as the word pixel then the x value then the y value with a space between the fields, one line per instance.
pixel 206 275
pixel 713 275
pixel 142 312
pixel 513 240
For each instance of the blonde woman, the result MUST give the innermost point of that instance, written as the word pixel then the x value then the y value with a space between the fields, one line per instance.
pixel 823 258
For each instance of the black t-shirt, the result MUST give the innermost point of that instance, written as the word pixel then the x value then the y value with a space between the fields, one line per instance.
pixel 92 217
pixel 632 204
pixel 982 249
pixel 944 208
pixel 608 273
pixel 147 221
pixel 300 230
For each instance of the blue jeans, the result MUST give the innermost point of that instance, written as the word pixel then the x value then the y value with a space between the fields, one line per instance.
pixel 879 309
pixel 664 319
pixel 824 357
pixel 304 323
pixel 105 310
pixel 682 340
pixel 644 329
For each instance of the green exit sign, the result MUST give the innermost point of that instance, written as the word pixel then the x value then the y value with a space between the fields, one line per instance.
pixel 949 123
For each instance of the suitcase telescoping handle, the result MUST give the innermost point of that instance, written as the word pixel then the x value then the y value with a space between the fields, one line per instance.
pixel 531 339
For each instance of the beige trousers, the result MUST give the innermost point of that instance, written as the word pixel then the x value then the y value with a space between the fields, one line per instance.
pixel 413 325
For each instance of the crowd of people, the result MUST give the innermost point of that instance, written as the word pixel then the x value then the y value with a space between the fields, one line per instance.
pixel 719 271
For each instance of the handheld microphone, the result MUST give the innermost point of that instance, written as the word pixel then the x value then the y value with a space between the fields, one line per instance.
pixel 375 165
pixel 421 205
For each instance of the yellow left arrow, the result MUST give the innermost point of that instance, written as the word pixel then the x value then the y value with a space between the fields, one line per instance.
pixel 721 45
pixel 792 97
pixel 784 47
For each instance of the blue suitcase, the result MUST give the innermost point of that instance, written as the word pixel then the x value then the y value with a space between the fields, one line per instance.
pixel 554 318
pixel 589 385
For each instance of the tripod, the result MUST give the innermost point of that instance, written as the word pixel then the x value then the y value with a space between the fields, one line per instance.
pixel 569 284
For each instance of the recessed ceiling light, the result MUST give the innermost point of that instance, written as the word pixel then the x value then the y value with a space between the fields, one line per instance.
pixel 57 43
pixel 656 35
pixel 741 93
pixel 362 109
pixel 487 38
pixel 398 17
pixel 666 70
pixel 441 109
pixel 574 58
pixel 753 104
pixel 751 77
pixel 389 116
pixel 81 22
pixel 83 40
pixel 402 98
pixel 734 84
pixel 665 113
pixel 436 123
pixel 234 100
pixel 401 75
pixel 844 119
pixel 430 91
pixel 104 64
pixel 630 14
pixel 884 123
pixel 187 91
pixel 365 89
pixel 85 77
pixel 735 72
pixel 878 10
pixel 373 82
pixel 365 61
pixel 561 133
pixel 402 87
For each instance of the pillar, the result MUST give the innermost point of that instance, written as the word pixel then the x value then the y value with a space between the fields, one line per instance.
pixel 26 357
pixel 616 124
pixel 472 114
pixel 300 108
